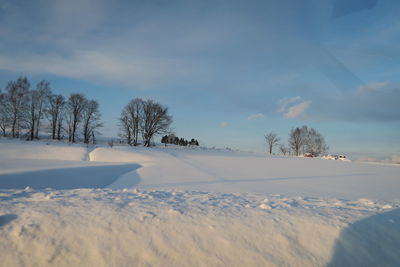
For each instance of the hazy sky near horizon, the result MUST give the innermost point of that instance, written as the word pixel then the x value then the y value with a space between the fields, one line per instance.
pixel 229 71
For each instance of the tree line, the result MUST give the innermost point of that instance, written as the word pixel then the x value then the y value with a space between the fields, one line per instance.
pixel 23 111
pixel 175 140
pixel 301 140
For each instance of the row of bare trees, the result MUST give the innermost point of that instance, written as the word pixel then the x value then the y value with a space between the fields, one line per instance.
pixel 25 111
pixel 145 119
pixel 301 140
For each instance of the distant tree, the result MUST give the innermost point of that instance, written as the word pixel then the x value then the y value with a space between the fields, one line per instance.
pixel 171 138
pixel 60 122
pixel 16 104
pixel 193 142
pixel 183 142
pixel 55 113
pixel 272 139
pixel 296 140
pixel 135 111
pixel 156 120
pixel 125 126
pixel 164 140
pixel 315 143
pixel 130 121
pixel 4 115
pixel 176 140
pixel 305 140
pixel 284 150
pixel 75 106
pixel 91 119
pixel 43 91
pixel 33 108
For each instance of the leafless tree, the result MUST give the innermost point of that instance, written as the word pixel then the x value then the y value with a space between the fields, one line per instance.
pixel 272 139
pixel 130 121
pixel 155 120
pixel 4 116
pixel 60 122
pixel 296 140
pixel 75 105
pixel 125 126
pixel 305 140
pixel 43 91
pixel 33 112
pixel 135 112
pixel 16 104
pixel 315 143
pixel 55 113
pixel 91 120
pixel 284 150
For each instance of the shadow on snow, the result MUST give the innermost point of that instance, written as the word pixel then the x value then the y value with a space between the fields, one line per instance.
pixel 373 241
pixel 6 219
pixel 68 178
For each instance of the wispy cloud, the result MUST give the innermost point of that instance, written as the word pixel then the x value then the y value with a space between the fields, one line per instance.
pixel 102 66
pixel 377 101
pixel 255 116
pixel 284 102
pixel 293 107
pixel 298 109
pixel 374 86
pixel 224 124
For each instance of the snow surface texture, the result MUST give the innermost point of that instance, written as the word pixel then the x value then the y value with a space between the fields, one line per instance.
pixel 127 206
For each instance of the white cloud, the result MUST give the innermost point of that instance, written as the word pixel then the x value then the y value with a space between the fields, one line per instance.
pixel 298 109
pixel 255 116
pixel 293 107
pixel 284 102
pixel 370 87
pixel 224 124
pixel 102 66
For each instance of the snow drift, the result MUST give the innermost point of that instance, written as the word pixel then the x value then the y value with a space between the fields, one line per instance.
pixel 184 207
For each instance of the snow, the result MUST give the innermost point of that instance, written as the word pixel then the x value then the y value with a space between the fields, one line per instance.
pixel 66 205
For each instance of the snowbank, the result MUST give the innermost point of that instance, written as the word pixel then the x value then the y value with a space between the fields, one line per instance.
pixel 185 207
pixel 180 228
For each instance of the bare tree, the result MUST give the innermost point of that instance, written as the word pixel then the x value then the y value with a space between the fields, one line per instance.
pixel 155 120
pixel 315 143
pixel 130 121
pixel 91 121
pixel 125 126
pixel 4 116
pixel 33 103
pixel 284 150
pixel 43 91
pixel 75 105
pixel 272 139
pixel 305 140
pixel 60 123
pixel 296 140
pixel 16 104
pixel 55 112
pixel 135 109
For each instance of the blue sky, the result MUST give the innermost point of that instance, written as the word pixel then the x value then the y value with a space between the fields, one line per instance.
pixel 229 71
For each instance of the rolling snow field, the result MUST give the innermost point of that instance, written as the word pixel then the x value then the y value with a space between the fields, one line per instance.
pixel 72 205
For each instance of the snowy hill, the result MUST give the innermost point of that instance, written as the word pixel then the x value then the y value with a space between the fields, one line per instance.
pixel 66 205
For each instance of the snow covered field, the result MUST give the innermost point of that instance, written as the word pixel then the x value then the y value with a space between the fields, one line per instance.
pixel 68 205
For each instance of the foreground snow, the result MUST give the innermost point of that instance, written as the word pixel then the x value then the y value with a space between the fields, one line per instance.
pixel 174 207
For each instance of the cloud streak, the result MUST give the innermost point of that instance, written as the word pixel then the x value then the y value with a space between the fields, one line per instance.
pixel 224 124
pixel 374 86
pixel 297 110
pixel 293 107
pixel 255 116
